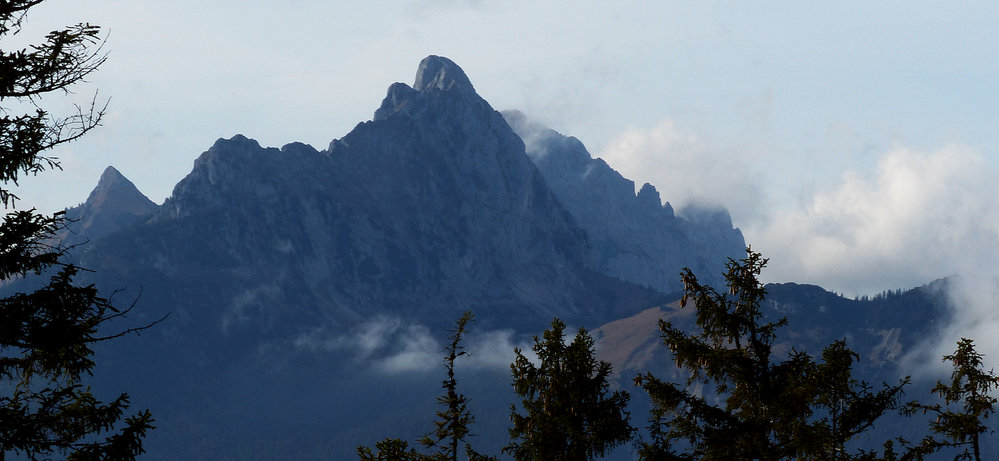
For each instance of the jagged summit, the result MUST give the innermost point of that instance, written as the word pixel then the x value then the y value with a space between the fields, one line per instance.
pixel 434 205
pixel 649 195
pixel 438 72
pixel 237 139
pixel 114 204
pixel 115 190
pixel 438 81
pixel 273 261
pixel 637 237
pixel 110 179
pixel 111 174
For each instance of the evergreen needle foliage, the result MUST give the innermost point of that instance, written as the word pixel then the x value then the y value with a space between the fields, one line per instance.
pixel 46 335
pixel 967 402
pixel 739 402
pixel 452 426
pixel 752 406
pixel 453 421
pixel 569 412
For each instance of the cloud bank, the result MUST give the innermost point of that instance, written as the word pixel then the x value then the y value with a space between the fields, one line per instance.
pixel 914 217
pixel 685 168
pixel 392 346
pixel 974 314
pixel 917 217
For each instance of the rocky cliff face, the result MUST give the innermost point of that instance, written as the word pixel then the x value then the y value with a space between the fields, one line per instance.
pixel 431 208
pixel 634 236
pixel 114 204
pixel 298 279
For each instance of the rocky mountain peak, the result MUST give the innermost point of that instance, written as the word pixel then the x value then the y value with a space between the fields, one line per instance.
pixel 439 82
pixel 649 195
pixel 114 204
pixel 110 178
pixel 237 140
pixel 432 205
pixel 637 238
pixel 440 73
pixel 111 175
pixel 115 191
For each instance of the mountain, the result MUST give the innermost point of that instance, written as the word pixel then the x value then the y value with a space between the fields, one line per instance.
pixel 431 208
pixel 886 331
pixel 331 273
pixel 635 237
pixel 873 327
pixel 306 292
pixel 114 204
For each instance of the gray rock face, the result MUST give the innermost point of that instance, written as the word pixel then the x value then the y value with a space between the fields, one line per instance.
pixel 431 208
pixel 113 205
pixel 279 265
pixel 636 238
pixel 439 73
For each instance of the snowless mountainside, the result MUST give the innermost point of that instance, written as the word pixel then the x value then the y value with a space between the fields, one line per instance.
pixel 635 237
pixel 114 204
pixel 305 288
pixel 431 208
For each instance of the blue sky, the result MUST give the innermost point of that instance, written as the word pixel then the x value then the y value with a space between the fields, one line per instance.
pixel 853 142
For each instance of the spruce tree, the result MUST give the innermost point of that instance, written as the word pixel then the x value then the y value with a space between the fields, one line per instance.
pixel 741 403
pixel 46 335
pixel 391 450
pixel 451 429
pixel 967 402
pixel 569 411
pixel 452 425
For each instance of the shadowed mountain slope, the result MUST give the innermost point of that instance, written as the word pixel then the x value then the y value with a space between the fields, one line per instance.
pixel 306 287
pixel 430 208
pixel 114 204
pixel 635 236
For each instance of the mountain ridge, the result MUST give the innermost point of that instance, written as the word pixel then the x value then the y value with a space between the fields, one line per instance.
pixel 432 204
pixel 294 275
pixel 636 237
pixel 115 203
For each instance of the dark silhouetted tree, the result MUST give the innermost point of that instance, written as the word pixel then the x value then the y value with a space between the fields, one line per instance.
pixel 967 402
pixel 738 403
pixel 451 428
pixel 391 450
pixel 46 335
pixel 569 412
pixel 452 425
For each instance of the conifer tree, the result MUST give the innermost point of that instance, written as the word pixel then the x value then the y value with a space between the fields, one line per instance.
pixel 569 412
pixel 46 335
pixel 751 406
pixel 391 450
pixel 452 425
pixel 967 402
pixel 451 429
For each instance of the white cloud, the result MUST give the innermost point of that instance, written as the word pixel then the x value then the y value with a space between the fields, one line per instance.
pixel 494 350
pixel 374 335
pixel 917 217
pixel 974 314
pixel 389 345
pixel 364 339
pixel 392 346
pixel 416 351
pixel 685 168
